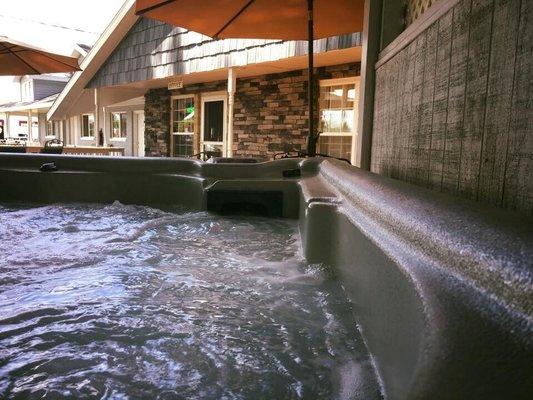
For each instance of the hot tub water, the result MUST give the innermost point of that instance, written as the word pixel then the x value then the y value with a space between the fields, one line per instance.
pixel 115 301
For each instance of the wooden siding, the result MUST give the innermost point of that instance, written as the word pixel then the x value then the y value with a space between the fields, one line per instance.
pixel 453 108
pixel 153 50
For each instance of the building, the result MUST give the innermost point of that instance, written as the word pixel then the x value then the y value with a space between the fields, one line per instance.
pixel 445 99
pixel 160 90
pixel 37 93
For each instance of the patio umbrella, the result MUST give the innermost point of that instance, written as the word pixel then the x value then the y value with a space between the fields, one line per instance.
pixel 263 19
pixel 17 58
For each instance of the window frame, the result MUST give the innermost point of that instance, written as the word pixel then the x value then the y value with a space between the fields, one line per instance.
pixel 173 134
pixel 89 136
pixel 206 98
pixel 50 129
pixel 353 80
pixel 123 115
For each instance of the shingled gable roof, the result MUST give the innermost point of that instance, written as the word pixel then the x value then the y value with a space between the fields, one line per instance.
pixel 139 49
pixel 119 26
pixel 154 50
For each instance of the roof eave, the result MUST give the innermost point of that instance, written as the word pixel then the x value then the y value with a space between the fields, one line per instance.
pixel 40 106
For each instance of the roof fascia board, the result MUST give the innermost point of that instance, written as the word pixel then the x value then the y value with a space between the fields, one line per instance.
pixel 50 78
pixel 33 106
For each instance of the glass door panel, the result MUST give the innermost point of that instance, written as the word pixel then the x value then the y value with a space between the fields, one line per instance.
pixel 213 125
pixel 213 121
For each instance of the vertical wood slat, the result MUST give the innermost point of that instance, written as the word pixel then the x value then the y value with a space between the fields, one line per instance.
pixel 407 112
pixel 413 150
pixel 383 116
pixel 404 100
pixel 426 106
pixel 394 105
pixel 475 97
pixel 394 145
pixel 379 116
pixel 518 186
pixel 440 102
pixel 456 97
pixel 499 92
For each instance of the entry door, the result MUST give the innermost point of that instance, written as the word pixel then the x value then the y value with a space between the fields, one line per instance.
pixel 213 135
pixel 139 133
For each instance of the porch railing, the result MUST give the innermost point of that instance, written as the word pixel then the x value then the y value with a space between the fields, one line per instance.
pixel 82 150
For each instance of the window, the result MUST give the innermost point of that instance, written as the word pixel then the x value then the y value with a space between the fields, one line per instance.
pixel 183 125
pixel 26 91
pixel 53 129
pixel 87 125
pixel 49 129
pixel 338 114
pixel 118 125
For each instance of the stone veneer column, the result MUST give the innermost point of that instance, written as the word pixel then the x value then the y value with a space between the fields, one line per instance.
pixel 157 122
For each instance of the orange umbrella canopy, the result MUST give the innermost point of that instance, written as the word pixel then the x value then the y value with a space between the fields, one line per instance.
pixel 17 58
pixel 257 19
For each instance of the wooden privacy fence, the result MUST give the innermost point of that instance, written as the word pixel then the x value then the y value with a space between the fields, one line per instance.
pixel 453 102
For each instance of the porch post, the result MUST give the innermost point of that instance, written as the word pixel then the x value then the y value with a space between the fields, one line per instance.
pixel 63 130
pixel 30 123
pixel 232 81
pixel 107 125
pixel 362 142
pixel 96 119
pixel 68 131
pixel 6 127
pixel 41 127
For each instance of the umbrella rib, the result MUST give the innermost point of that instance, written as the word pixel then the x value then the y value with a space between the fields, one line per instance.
pixel 14 51
pixel 54 59
pixel 20 58
pixel 148 9
pixel 8 49
pixel 233 18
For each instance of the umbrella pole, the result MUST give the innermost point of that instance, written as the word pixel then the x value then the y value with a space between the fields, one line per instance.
pixel 311 138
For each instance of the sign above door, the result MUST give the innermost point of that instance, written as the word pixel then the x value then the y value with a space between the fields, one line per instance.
pixel 175 84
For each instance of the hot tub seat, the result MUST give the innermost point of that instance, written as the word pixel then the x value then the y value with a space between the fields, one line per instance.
pixel 441 286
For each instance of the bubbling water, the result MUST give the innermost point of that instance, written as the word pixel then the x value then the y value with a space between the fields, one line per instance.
pixel 122 302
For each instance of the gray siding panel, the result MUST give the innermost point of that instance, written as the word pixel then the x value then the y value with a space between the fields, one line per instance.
pixel 45 88
pixel 155 50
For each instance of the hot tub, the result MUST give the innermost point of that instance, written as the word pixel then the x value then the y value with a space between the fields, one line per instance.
pixel 439 288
